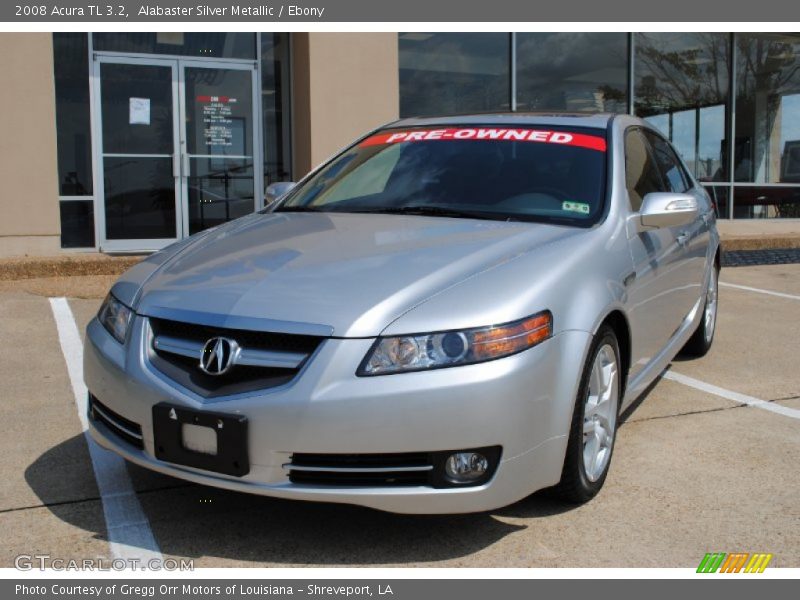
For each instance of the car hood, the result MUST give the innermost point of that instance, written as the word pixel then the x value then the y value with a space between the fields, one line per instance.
pixel 347 275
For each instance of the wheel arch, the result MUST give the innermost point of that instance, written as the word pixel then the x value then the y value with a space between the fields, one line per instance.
pixel 618 322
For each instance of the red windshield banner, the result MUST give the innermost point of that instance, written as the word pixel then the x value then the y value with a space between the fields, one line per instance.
pixel 564 138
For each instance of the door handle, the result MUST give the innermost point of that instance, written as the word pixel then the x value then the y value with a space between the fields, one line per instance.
pixel 186 165
pixel 176 166
pixel 682 238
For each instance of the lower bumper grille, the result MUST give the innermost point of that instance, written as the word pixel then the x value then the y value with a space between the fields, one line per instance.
pixel 382 470
pixel 396 478
pixel 123 428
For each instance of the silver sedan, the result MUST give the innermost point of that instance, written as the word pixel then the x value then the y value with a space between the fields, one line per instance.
pixel 447 316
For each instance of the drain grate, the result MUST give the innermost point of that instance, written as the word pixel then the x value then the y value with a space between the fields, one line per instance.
pixel 750 258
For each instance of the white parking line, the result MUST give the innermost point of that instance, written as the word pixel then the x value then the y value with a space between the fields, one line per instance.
pixel 731 395
pixel 129 533
pixel 759 290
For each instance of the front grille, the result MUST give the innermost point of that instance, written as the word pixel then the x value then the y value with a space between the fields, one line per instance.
pixel 267 359
pixel 262 340
pixel 123 428
pixel 381 470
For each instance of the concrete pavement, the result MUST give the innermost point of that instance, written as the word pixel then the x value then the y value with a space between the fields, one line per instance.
pixel 692 472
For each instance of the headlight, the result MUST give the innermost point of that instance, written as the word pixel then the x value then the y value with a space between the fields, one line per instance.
pixel 454 348
pixel 115 317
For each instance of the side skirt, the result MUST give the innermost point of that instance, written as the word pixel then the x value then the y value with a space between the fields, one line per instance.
pixel 657 365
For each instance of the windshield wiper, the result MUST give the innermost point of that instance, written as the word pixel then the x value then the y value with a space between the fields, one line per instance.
pixel 433 211
pixel 421 210
pixel 298 209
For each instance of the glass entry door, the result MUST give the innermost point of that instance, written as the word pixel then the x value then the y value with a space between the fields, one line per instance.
pixel 137 171
pixel 217 148
pixel 176 148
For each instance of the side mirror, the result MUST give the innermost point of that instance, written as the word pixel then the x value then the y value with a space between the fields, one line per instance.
pixel 667 209
pixel 275 191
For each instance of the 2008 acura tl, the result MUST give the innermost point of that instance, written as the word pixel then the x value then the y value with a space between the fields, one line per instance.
pixel 446 317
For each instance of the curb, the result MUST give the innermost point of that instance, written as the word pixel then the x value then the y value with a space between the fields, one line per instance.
pixel 65 266
pixel 769 242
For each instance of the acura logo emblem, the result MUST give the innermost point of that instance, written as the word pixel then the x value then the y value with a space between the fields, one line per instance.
pixel 219 355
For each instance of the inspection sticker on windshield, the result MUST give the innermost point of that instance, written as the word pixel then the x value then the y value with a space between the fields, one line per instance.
pixel 564 138
pixel 578 207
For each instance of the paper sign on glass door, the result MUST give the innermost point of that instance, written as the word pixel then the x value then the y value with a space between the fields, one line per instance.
pixel 139 111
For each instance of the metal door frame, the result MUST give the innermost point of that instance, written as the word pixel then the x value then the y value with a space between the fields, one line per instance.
pixel 185 161
pixel 179 158
pixel 130 245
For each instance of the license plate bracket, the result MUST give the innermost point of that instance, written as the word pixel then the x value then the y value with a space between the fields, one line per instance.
pixel 231 457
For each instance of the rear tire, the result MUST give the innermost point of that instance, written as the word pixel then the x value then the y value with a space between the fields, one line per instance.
pixel 594 421
pixel 700 342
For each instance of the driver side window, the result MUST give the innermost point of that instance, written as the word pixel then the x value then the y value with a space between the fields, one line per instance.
pixel 642 175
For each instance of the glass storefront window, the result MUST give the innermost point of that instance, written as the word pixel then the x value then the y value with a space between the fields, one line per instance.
pixel 275 103
pixel 197 44
pixel 681 87
pixel 452 73
pixel 77 223
pixel 767 109
pixel 581 72
pixel 720 195
pixel 73 131
pixel 766 202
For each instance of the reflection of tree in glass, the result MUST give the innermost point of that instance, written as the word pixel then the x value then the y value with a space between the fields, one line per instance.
pixel 572 71
pixel 766 65
pixel 610 93
pixel 676 71
pixel 768 75
pixel 452 73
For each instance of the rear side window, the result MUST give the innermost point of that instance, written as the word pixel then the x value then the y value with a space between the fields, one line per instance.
pixel 668 164
pixel 642 174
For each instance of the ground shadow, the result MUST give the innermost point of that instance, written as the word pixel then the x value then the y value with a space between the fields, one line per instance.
pixel 198 521
pixel 631 408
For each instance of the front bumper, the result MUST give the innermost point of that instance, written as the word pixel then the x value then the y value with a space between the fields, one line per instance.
pixel 523 403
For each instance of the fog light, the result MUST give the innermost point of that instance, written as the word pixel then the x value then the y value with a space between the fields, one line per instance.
pixel 463 467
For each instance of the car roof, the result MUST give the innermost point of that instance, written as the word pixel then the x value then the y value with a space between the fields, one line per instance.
pixel 596 120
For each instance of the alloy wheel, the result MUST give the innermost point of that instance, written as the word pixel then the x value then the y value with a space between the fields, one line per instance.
pixel 710 313
pixel 600 413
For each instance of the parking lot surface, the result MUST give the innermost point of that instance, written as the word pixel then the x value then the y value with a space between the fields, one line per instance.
pixel 705 462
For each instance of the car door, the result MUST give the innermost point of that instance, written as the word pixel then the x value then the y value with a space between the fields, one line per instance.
pixel 693 237
pixel 654 294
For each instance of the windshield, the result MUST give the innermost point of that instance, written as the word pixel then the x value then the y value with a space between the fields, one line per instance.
pixel 550 175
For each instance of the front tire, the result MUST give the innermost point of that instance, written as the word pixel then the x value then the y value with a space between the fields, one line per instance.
pixel 594 421
pixel 700 342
